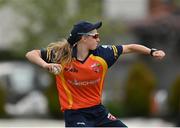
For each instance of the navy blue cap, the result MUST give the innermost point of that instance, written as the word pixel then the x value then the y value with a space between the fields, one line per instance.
pixel 81 27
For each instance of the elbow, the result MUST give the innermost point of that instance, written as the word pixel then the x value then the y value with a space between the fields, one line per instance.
pixel 32 53
pixel 129 48
pixel 28 54
pixel 132 46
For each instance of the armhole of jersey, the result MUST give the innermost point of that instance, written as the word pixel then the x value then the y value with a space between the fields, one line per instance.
pixel 120 49
pixel 46 55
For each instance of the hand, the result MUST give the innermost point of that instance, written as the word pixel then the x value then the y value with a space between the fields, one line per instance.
pixel 159 54
pixel 53 68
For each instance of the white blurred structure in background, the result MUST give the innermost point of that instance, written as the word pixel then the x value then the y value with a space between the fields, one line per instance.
pixel 24 84
pixel 35 103
pixel 125 9
pixel 10 27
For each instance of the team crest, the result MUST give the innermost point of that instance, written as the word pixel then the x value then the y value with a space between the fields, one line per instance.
pixel 96 67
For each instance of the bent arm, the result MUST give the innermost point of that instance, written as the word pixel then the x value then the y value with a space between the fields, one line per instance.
pixel 34 56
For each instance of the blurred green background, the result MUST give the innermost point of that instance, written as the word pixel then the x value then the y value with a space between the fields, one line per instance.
pixel 136 86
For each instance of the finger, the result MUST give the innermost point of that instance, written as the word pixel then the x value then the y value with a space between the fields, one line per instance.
pixel 161 53
pixel 59 66
pixel 158 54
pixel 56 70
pixel 50 68
pixel 160 57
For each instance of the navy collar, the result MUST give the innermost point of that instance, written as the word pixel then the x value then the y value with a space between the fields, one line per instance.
pixel 74 54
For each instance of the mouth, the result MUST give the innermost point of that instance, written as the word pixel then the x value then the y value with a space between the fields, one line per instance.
pixel 97 45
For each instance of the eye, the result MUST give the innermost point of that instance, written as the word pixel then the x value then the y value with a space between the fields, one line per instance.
pixel 95 36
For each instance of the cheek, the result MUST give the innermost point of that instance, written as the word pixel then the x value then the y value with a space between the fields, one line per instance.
pixel 92 45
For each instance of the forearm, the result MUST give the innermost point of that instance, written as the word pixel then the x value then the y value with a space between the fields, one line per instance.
pixel 136 48
pixel 34 56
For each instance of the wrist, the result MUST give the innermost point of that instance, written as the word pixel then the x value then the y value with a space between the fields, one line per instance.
pixel 44 65
pixel 152 51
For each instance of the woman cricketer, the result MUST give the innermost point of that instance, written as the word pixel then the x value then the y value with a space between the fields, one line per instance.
pixel 80 66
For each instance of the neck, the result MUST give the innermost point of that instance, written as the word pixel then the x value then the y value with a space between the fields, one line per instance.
pixel 82 51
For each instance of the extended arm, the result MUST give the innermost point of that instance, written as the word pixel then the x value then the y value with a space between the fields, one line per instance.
pixel 136 48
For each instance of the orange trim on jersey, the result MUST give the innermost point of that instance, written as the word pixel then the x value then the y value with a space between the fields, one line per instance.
pixel 105 66
pixel 67 91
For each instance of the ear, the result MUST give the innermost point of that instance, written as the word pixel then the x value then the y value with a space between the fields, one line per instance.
pixel 83 38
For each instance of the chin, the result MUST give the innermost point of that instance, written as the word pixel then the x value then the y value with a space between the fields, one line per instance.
pixel 93 48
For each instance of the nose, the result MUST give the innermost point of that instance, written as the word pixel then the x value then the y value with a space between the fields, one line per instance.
pixel 98 40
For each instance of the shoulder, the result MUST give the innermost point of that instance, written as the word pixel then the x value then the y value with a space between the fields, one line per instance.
pixel 106 49
pixel 109 53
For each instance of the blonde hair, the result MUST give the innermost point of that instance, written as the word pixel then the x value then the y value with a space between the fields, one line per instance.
pixel 61 52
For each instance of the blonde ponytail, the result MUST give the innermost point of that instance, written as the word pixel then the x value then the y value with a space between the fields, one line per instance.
pixel 61 52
